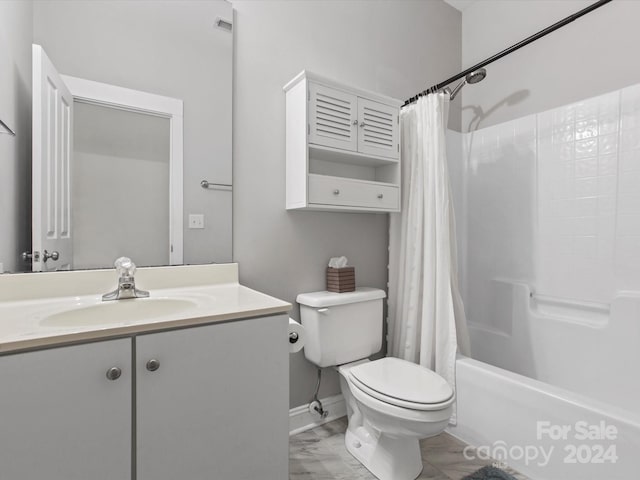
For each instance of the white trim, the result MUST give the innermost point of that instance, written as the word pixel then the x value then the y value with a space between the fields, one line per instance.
pixel 108 94
pixel 149 103
pixel 301 419
pixel 176 186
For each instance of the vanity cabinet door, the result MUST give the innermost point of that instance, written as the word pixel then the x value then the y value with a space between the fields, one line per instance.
pixel 61 418
pixel 212 402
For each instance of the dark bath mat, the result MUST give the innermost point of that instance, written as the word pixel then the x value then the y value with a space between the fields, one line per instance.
pixel 489 473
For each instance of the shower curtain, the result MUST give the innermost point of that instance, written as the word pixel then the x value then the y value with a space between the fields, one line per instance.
pixel 427 323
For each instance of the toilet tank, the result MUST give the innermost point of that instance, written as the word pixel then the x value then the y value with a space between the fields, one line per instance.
pixel 341 327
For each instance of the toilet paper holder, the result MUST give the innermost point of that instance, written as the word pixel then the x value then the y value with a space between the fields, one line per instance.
pixel 296 336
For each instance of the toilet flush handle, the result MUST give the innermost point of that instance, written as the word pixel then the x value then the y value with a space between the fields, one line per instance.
pixel 323 310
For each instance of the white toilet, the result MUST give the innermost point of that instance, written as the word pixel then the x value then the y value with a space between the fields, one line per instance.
pixel 391 403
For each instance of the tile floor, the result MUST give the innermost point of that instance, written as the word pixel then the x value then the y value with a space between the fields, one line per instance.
pixel 320 454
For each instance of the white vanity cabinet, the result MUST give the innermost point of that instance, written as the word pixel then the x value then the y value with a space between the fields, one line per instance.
pixel 208 401
pixel 61 418
pixel 342 147
pixel 217 405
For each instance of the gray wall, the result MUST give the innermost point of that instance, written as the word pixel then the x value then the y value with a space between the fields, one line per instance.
pixel 169 48
pixel 395 48
pixel 120 160
pixel 593 55
pixel 15 152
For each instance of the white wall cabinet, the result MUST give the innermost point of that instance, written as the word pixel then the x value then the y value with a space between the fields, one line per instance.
pixel 342 147
pixel 207 402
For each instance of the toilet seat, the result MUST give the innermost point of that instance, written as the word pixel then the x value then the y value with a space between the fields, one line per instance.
pixel 402 384
pixel 401 414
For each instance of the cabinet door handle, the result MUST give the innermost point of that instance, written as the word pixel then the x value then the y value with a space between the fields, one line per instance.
pixel 114 373
pixel 336 192
pixel 380 195
pixel 153 365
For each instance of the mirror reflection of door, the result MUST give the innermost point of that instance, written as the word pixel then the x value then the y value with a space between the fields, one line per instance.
pixel 107 180
pixel 120 185
pixel 52 247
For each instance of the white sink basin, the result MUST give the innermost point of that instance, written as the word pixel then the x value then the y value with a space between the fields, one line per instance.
pixel 117 311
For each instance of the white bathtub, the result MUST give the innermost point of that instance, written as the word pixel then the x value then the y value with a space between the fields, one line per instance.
pixel 500 411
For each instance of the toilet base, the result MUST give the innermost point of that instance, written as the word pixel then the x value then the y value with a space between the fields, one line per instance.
pixel 388 458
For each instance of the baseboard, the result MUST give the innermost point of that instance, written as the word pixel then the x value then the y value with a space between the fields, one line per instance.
pixel 301 419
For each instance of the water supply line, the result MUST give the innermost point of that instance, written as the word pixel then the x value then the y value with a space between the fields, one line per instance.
pixel 316 405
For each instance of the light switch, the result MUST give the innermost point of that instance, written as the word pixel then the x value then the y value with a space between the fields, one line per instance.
pixel 196 220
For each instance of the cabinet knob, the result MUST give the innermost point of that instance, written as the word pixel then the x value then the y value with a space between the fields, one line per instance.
pixel 114 373
pixel 380 195
pixel 355 122
pixel 362 124
pixel 153 365
pixel 336 192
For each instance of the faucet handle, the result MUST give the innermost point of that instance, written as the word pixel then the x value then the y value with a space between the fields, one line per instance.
pixel 125 267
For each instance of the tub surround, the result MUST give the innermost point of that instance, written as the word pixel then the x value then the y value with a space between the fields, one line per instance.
pixel 539 341
pixel 548 210
pixel 210 293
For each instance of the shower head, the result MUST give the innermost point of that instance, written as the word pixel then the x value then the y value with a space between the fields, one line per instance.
pixel 471 78
pixel 476 76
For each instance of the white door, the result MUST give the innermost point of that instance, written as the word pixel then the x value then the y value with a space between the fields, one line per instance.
pixel 378 129
pixel 52 150
pixel 61 418
pixel 216 406
pixel 332 114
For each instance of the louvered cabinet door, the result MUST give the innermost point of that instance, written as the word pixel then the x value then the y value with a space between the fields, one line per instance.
pixel 331 118
pixel 378 129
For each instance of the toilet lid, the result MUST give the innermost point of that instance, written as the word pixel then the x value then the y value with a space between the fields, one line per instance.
pixel 402 380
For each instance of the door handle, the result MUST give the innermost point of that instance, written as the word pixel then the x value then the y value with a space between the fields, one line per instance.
pixel 53 256
pixel 30 257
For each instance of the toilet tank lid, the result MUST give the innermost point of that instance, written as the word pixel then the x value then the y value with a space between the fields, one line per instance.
pixel 330 299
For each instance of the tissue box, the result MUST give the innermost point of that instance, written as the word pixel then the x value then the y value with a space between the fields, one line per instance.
pixel 341 280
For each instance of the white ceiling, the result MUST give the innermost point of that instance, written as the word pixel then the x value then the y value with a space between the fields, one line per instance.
pixel 460 4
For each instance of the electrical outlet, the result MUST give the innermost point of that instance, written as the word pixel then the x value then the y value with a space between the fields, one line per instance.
pixel 196 220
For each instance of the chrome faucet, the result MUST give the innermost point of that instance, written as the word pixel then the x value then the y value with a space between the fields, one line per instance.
pixel 126 282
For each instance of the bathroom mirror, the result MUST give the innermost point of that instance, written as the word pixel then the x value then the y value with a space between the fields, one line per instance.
pixel 147 175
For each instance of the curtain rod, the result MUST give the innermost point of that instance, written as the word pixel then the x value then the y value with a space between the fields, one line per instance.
pixel 509 50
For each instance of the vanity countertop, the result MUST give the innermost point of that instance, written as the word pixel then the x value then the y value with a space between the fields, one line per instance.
pixel 198 295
